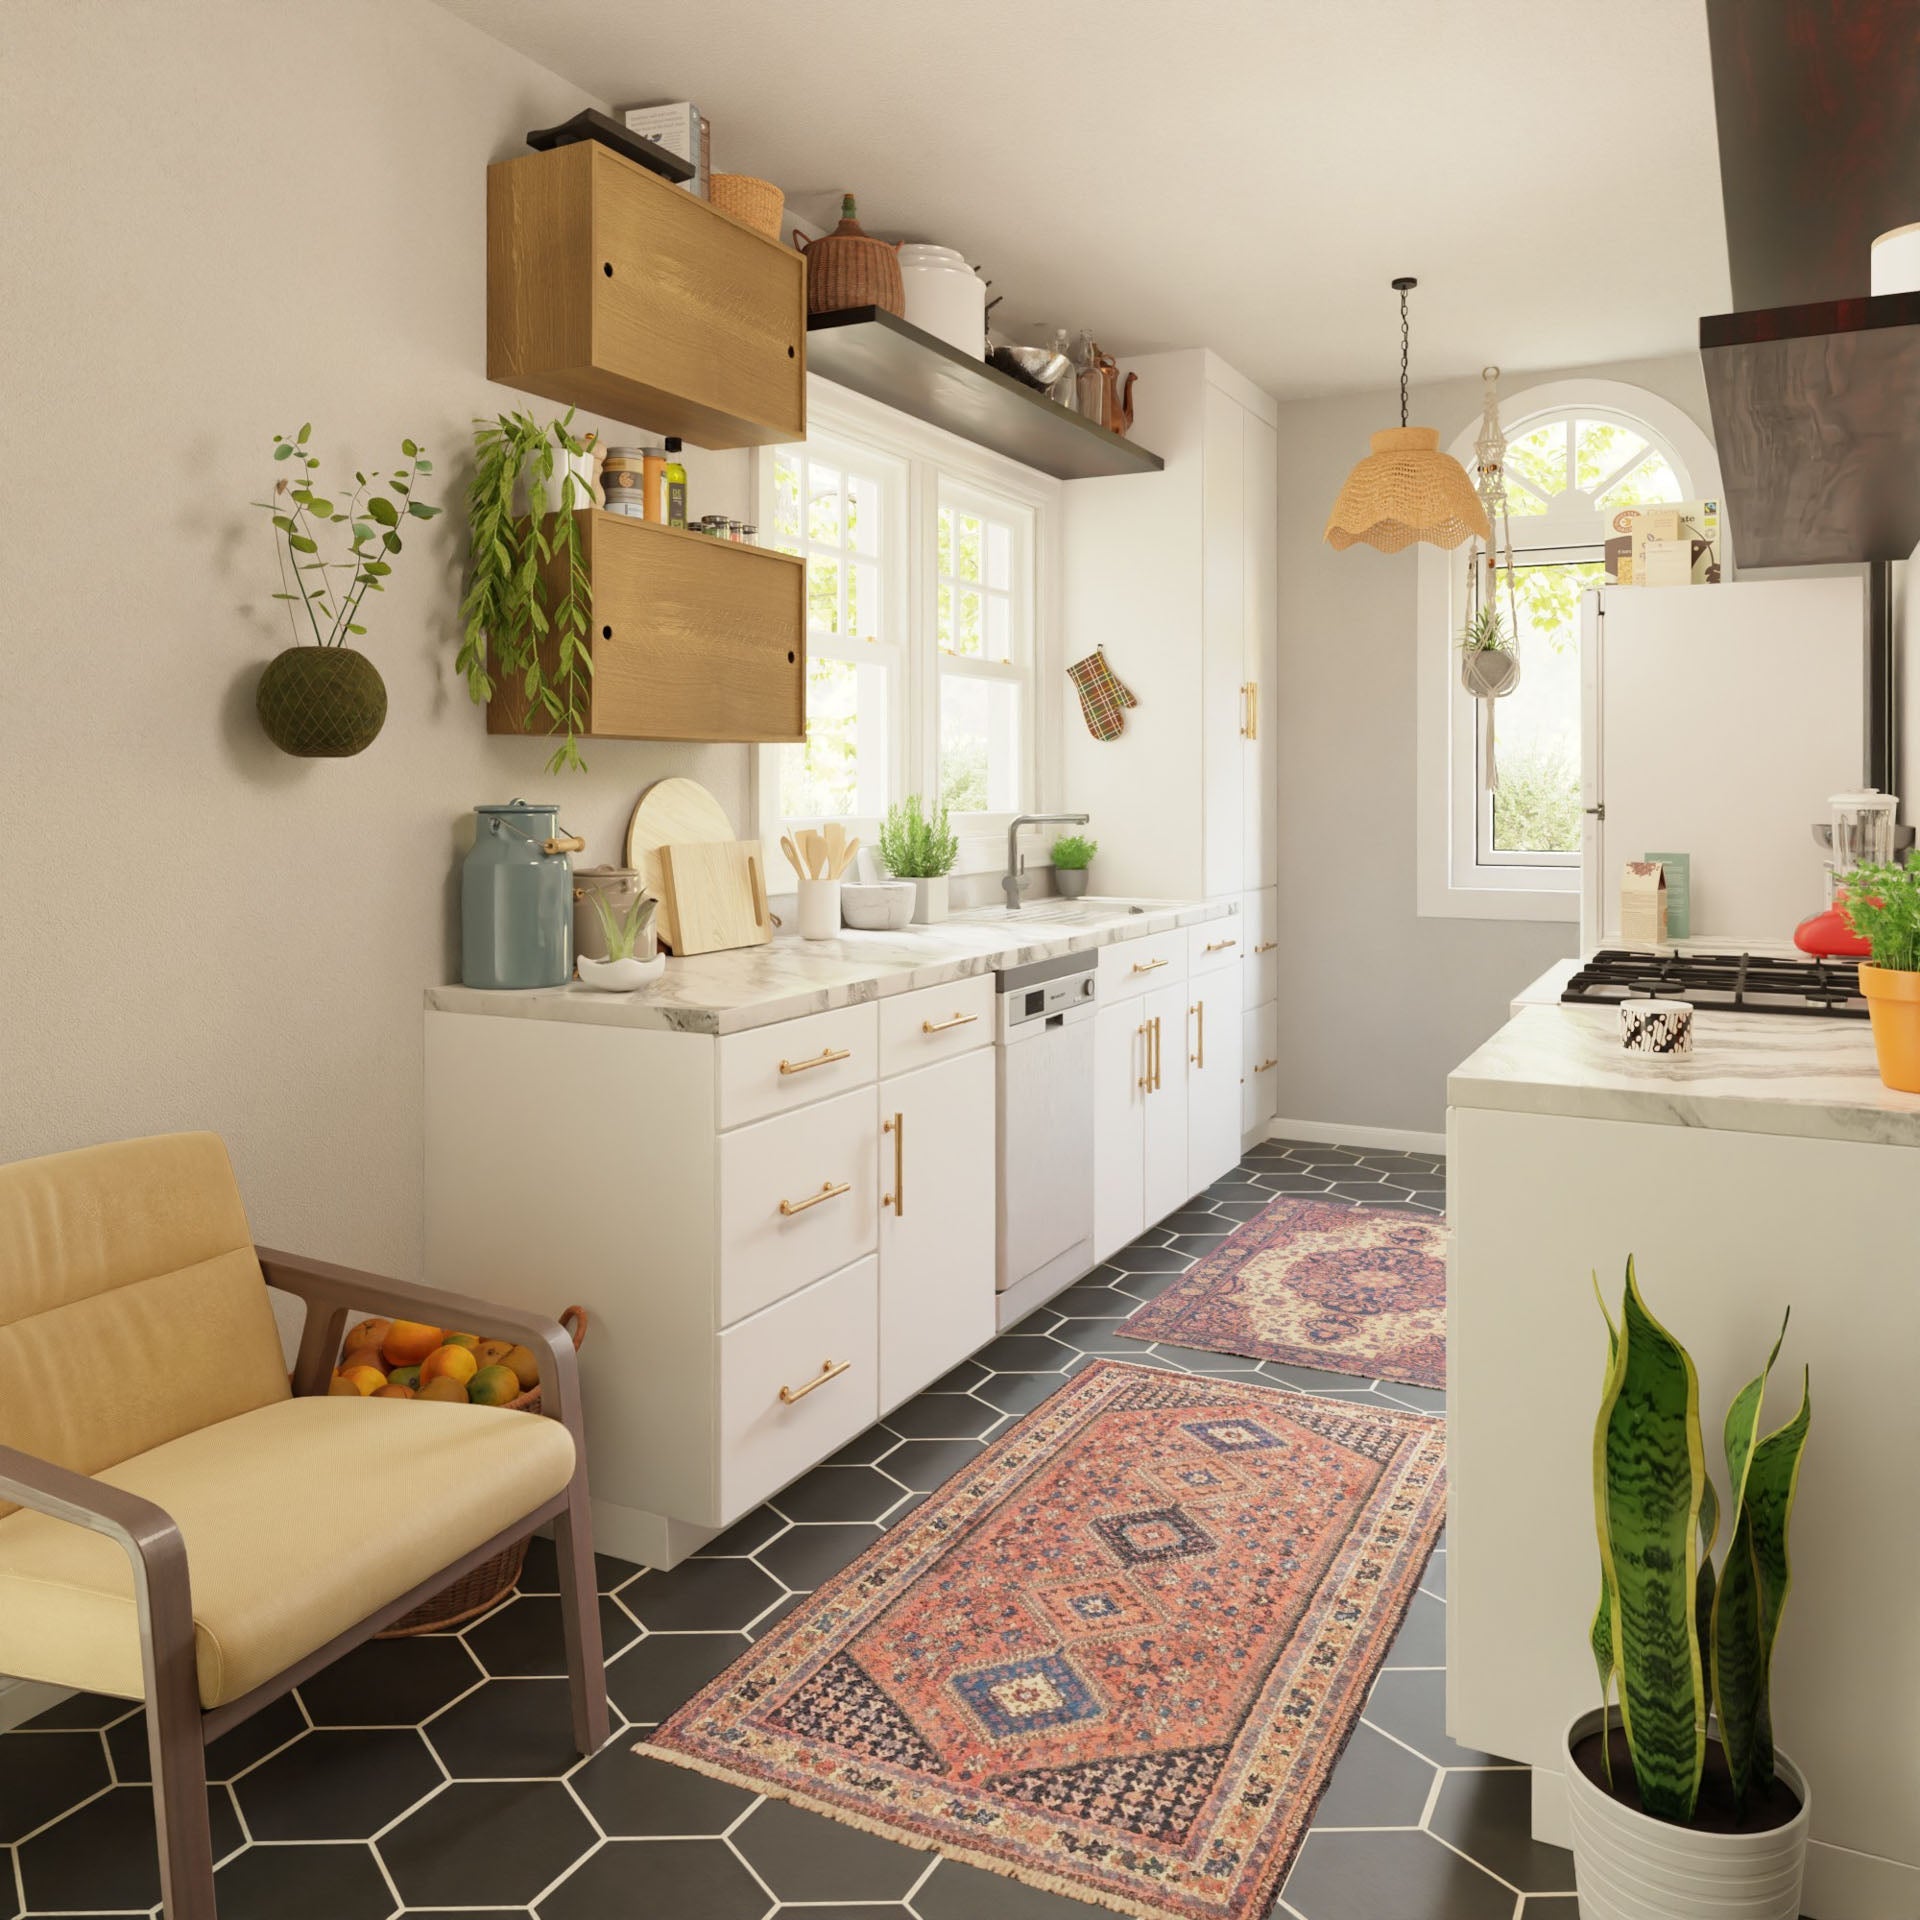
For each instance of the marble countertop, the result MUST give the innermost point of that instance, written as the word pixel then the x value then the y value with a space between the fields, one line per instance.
pixel 748 987
pixel 1748 1073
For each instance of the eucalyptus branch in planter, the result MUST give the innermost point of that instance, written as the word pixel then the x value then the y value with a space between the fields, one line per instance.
pixel 514 629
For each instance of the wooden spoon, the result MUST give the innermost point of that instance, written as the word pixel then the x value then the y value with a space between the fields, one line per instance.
pixel 846 856
pixel 793 856
pixel 836 838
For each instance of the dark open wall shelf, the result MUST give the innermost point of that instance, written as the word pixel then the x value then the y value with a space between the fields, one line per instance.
pixel 901 366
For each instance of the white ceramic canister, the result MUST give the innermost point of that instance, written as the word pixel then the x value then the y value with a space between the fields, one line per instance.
pixel 1895 262
pixel 819 909
pixel 945 297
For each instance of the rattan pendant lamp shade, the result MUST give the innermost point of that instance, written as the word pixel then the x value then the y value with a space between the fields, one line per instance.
pixel 1406 489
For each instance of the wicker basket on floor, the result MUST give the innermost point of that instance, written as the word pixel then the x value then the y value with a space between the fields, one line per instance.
pixel 492 1580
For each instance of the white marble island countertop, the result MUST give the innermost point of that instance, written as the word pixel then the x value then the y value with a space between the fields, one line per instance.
pixel 1748 1073
pixel 718 993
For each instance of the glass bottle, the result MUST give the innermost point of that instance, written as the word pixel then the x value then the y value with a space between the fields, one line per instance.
pixel 676 477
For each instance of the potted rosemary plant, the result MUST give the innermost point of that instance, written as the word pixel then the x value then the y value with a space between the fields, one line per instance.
pixel 321 699
pixel 1072 856
pixel 1669 1816
pixel 921 849
pixel 1882 905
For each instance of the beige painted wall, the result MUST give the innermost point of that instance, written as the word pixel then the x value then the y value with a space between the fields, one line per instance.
pixel 1377 1005
pixel 221 219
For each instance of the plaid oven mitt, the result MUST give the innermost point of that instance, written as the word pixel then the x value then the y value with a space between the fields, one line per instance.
pixel 1104 696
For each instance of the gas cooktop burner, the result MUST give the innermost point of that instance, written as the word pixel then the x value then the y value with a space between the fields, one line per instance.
pixel 1722 983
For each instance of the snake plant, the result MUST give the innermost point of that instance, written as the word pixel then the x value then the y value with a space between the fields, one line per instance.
pixel 1670 1631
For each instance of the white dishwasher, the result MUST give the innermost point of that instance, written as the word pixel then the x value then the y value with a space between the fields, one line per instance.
pixel 1044 1055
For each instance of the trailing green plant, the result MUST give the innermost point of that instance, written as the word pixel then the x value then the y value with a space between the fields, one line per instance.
pixel 914 847
pixel 301 511
pixel 1074 851
pixel 623 931
pixel 1670 1631
pixel 1882 906
pixel 1486 632
pixel 514 628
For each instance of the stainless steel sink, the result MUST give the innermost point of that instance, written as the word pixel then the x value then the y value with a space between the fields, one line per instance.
pixel 1072 913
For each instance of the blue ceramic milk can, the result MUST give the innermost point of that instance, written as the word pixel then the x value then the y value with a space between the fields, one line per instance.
pixel 516 899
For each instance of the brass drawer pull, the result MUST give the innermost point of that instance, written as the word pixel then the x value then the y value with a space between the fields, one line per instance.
pixel 946 1026
pixel 1220 946
pixel 1266 946
pixel 829 1190
pixel 1156 1054
pixel 1199 1012
pixel 1145 1082
pixel 829 1370
pixel 897 1199
pixel 1265 1064
pixel 1147 966
pixel 825 1058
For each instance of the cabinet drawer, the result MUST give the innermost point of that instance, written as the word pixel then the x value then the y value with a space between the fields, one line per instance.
pixel 1132 966
pixel 1259 1043
pixel 825 1335
pixel 775 1069
pixel 916 1029
pixel 1259 947
pixel 1215 943
pixel 796 1200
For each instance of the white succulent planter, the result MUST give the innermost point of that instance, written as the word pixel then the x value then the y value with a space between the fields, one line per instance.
pixel 1489 673
pixel 620 976
pixel 1630 1866
pixel 929 899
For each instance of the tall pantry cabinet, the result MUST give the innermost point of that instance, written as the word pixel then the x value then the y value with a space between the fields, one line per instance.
pixel 1174 575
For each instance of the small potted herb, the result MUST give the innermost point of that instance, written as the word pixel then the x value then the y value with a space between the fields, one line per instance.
pixel 1882 905
pixel 1072 855
pixel 627 931
pixel 320 699
pixel 914 847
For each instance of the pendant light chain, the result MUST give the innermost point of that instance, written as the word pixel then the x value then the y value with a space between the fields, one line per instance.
pixel 1405 338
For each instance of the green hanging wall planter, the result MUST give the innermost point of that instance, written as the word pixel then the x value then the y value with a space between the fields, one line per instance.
pixel 322 703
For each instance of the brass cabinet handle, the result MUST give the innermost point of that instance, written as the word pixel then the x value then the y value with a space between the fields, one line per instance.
pixel 946 1026
pixel 1145 1082
pixel 1220 946
pixel 829 1190
pixel 829 1370
pixel 1156 1053
pixel 825 1058
pixel 1147 966
pixel 1265 1064
pixel 1253 709
pixel 1266 946
pixel 1199 1012
pixel 897 1199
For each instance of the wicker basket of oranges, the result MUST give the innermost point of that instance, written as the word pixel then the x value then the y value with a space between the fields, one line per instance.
pixel 407 1360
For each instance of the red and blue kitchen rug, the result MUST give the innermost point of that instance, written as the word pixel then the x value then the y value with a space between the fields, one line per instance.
pixel 1116 1656
pixel 1311 1284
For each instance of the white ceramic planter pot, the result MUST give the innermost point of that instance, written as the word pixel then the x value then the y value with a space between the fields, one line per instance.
pixel 929 899
pixel 620 976
pixel 1629 1866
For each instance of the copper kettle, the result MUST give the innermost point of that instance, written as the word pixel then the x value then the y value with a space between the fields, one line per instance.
pixel 1103 398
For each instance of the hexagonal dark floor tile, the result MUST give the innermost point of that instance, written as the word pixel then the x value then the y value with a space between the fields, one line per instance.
pixel 805 1556
pixel 967 1375
pixel 303 1883
pixel 922 1465
pixel 1197 1360
pixel 1146 1286
pixel 1020 1392
pixel 957 1892
pixel 507 1730
pixel 1422 1639
pixel 1489 1817
pixel 541 1574
pixel 747 1535
pixel 837 1493
pixel 1413 1707
pixel 940 1416
pixel 1241 1211
pixel 665 1670
pixel 43 1774
pixel 252 1740
pixel 1093 1300
pixel 83 1710
pixel 805 1856
pixel 773 1616
pixel 1196 1246
pixel 689 1879
pixel 1291 1181
pixel 1426 1399
pixel 1313 1379
pixel 1139 1259
pixel 863 1449
pixel 1025 1353
pixel 526 1636
pixel 699 1595
pixel 1363 1876
pixel 477 1843
pixel 1377 1783
pixel 635 1796
pixel 1197 1219
pixel 390 1683
pixel 1434 1579
pixel 101 1857
pixel 340 1784
pixel 1095 1336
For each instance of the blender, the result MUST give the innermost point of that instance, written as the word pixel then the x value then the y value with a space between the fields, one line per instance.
pixel 1861 831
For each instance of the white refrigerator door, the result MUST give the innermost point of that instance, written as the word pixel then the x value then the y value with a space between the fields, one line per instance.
pixel 1715 722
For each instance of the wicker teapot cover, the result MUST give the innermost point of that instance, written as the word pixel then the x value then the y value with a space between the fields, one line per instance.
pixel 849 268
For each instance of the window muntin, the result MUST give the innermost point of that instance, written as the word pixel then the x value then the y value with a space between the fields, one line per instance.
pixel 983 637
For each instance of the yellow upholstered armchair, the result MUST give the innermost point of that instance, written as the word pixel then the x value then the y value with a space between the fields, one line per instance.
pixel 180 1525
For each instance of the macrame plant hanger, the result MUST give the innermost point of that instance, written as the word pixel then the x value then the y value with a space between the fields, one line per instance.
pixel 1491 674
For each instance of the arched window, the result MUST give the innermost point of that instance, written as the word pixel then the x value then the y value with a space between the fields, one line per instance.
pixel 1577 452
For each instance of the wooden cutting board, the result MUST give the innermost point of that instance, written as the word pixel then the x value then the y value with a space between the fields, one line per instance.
pixel 716 891
pixel 671 813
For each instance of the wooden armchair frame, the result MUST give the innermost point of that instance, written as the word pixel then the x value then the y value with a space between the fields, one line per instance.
pixel 177 1729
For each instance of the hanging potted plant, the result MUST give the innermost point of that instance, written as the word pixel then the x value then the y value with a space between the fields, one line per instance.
pixel 529 597
pixel 914 847
pixel 1489 649
pixel 1882 905
pixel 1489 667
pixel 1670 1815
pixel 321 699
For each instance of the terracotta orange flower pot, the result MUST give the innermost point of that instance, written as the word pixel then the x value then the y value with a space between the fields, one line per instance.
pixel 1893 1000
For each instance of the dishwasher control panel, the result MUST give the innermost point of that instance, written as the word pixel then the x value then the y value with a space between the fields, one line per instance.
pixel 1044 990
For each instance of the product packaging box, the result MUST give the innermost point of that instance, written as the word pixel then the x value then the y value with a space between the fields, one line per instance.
pixel 1643 904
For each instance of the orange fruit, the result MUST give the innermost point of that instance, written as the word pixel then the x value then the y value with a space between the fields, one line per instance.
pixel 364 1379
pixel 340 1384
pixel 442 1388
pixel 363 1357
pixel 493 1353
pixel 493 1387
pixel 393 1391
pixel 408 1342
pixel 526 1368
pixel 449 1363
pixel 369 1333
pixel 404 1377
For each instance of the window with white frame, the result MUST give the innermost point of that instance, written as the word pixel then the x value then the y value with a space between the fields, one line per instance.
pixel 1509 846
pixel 922 630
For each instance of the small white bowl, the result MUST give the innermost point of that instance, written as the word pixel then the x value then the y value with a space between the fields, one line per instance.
pixel 620 976
pixel 884 907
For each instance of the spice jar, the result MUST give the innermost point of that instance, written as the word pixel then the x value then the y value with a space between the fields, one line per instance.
pixel 653 484
pixel 623 480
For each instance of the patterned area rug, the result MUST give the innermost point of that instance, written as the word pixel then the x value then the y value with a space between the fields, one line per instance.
pixel 1315 1285
pixel 1116 1656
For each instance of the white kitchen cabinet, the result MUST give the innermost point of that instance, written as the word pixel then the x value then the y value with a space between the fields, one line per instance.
pixel 1175 574
pixel 936 1174
pixel 1260 1022
pixel 1259 1047
pixel 1121 1036
pixel 1213 1075
pixel 1163 1179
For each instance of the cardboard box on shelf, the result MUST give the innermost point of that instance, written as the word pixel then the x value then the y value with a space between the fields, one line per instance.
pixel 1643 904
pixel 1676 869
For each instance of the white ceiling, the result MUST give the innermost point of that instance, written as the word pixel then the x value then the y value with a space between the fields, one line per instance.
pixel 1246 175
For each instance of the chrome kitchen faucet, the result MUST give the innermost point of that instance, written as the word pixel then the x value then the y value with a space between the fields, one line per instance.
pixel 1014 883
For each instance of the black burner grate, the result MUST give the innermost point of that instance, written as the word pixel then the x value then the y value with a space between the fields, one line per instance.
pixel 1722 982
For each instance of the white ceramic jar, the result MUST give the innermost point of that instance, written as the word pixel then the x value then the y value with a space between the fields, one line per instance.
pixel 945 297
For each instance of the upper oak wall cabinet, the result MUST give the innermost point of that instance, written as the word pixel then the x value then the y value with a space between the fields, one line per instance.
pixel 611 290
